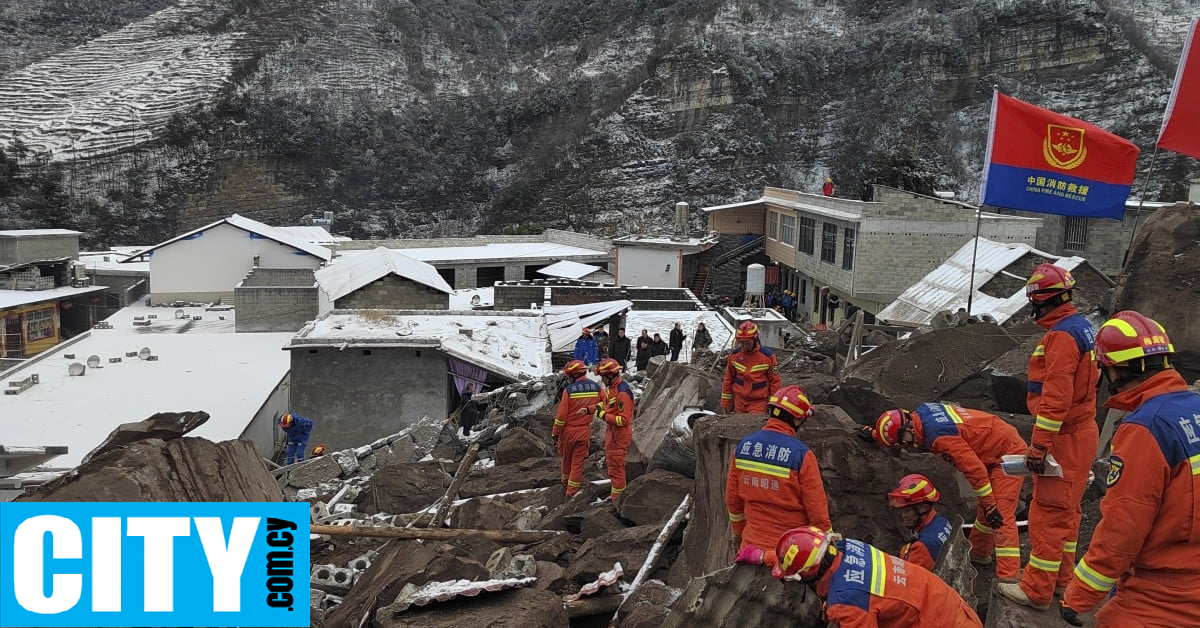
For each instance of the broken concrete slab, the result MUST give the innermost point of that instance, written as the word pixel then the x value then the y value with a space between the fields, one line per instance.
pixel 1005 614
pixel 569 514
pixel 476 547
pixel 518 445
pixel 551 550
pixel 954 565
pixel 527 608
pixel 400 563
pixel 550 576
pixel 599 521
pixel 744 596
pixel 628 546
pixel 181 470
pixel 648 606
pixel 311 473
pixel 163 426
pixel 654 496
pixel 403 488
pixel 483 513
pixel 674 387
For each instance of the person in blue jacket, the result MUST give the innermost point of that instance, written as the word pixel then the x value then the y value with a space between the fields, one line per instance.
pixel 297 429
pixel 586 349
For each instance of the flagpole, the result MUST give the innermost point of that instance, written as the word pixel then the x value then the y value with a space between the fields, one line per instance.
pixel 974 257
pixel 1141 201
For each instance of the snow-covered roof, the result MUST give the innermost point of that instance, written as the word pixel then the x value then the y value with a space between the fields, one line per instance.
pixel 946 287
pixel 18 233
pixel 16 298
pixel 717 208
pixel 566 322
pixel 312 233
pixel 347 275
pixel 689 244
pixel 513 345
pixel 252 226
pixel 662 321
pixel 496 251
pixel 112 260
pixel 570 270
pixel 202 365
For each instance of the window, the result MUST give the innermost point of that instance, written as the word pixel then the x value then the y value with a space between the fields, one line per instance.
pixel 773 226
pixel 787 231
pixel 1075 235
pixel 808 228
pixel 828 243
pixel 848 250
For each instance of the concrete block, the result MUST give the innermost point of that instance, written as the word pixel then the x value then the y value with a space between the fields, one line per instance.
pixel 347 461
pixel 331 579
pixel 317 599
pixel 364 451
pixel 362 563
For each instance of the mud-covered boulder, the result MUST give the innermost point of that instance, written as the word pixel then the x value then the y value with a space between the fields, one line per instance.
pixel 483 513
pixel 628 546
pixel 526 608
pixel 654 496
pixel 648 606
pixel 674 388
pixel 404 488
pixel 519 445
pixel 502 478
pixel 163 426
pixel 599 521
pixel 179 470
pixel 744 596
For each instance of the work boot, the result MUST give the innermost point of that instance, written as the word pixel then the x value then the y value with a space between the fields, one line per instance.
pixel 981 560
pixel 1014 593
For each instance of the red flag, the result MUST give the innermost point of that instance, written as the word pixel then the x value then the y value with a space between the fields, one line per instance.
pixel 1181 124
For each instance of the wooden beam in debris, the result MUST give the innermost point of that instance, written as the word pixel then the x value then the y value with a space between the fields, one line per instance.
pixel 599 605
pixel 464 469
pixel 436 534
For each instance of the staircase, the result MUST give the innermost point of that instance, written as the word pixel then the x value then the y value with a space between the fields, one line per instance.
pixel 726 276
pixel 700 283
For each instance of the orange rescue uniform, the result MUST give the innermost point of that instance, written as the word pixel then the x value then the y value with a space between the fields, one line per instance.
pixel 618 413
pixel 1062 398
pixel 974 441
pixel 774 485
pixel 1148 542
pixel 573 429
pixel 750 378
pixel 866 588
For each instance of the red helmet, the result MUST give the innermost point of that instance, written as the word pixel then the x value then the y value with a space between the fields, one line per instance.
pixel 890 425
pixel 319 450
pixel 1130 335
pixel 792 401
pixel 801 552
pixel 914 489
pixel 1048 281
pixel 575 369
pixel 286 421
pixel 747 331
pixel 609 366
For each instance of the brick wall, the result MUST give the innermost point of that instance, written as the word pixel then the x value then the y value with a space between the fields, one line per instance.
pixel 739 220
pixel 520 295
pixel 507 298
pixel 1106 243
pixel 118 283
pixel 274 309
pixel 279 277
pixel 394 293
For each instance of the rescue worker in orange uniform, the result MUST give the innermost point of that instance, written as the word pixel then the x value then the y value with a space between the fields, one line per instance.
pixel 617 412
pixel 928 531
pixel 751 373
pixel 1062 398
pixel 774 482
pixel 573 423
pixel 862 587
pixel 974 442
pixel 1147 545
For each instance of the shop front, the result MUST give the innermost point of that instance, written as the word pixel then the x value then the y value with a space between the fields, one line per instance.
pixel 29 329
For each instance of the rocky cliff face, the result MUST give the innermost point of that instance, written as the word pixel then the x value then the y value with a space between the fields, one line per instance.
pixel 411 117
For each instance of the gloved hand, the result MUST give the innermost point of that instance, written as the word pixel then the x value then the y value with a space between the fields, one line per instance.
pixel 727 407
pixel 750 555
pixel 600 414
pixel 1035 459
pixel 1070 616
pixel 867 433
pixel 993 518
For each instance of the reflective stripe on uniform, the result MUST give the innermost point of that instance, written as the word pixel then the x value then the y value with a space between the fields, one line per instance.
pixel 1043 564
pixel 727 395
pixel 574 484
pixel 762 467
pixel 737 517
pixel 1069 547
pixel 759 367
pixel 1039 351
pixel 1093 578
pixel 1050 425
pixel 985 491
pixel 879 571
pixel 584 395
pixel 982 528
pixel 1195 460
pixel 1008 552
pixel 739 366
pixel 954 415
pixel 559 423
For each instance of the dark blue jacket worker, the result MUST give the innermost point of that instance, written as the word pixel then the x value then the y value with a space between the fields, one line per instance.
pixel 297 429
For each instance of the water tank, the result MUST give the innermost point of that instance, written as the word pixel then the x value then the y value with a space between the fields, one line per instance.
pixel 756 279
pixel 681 219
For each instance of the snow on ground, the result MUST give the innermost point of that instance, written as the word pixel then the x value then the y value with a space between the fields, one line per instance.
pixel 662 322
pixel 462 299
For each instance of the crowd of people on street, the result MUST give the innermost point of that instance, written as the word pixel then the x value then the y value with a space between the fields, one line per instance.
pixel 593 346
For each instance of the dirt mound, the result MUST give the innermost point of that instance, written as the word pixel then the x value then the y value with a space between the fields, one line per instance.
pixel 517 608
pixel 179 470
pixel 940 364
pixel 1162 277
pixel 745 596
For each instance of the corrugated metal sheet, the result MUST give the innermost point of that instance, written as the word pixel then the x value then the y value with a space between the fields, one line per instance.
pixel 946 287
pixel 566 322
pixel 351 273
pixel 431 592
pixel 569 270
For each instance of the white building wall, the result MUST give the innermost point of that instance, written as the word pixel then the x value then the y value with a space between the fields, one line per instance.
pixel 651 267
pixel 210 265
